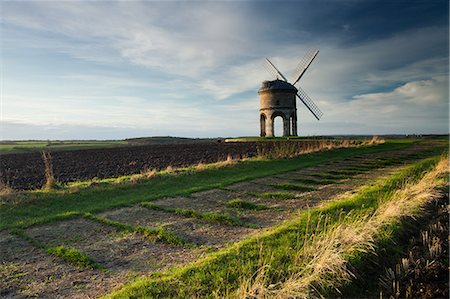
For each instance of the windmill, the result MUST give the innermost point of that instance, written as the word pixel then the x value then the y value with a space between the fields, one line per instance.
pixel 278 98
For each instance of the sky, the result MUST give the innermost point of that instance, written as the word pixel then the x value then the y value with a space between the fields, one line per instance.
pixel 123 69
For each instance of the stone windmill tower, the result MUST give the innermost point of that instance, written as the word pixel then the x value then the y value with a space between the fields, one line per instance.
pixel 278 98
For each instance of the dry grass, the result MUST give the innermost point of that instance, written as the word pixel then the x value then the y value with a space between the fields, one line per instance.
pixel 146 174
pixel 149 173
pixel 410 200
pixel 287 149
pixel 419 273
pixel 50 181
pixel 321 262
pixel 170 169
pixel 5 189
pixel 7 194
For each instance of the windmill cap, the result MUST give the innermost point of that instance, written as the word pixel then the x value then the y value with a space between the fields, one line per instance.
pixel 277 85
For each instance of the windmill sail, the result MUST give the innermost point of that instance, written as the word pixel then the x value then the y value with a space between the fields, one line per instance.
pixel 276 70
pixel 304 64
pixel 301 69
pixel 309 103
pixel 270 69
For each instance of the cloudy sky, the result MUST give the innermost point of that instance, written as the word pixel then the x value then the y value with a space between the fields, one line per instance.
pixel 118 69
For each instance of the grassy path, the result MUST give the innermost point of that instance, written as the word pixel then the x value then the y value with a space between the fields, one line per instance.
pixel 130 230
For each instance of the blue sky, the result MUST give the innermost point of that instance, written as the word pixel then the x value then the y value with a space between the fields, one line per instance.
pixel 111 70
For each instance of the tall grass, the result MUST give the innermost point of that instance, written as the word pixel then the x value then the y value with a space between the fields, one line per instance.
pixel 321 264
pixel 50 181
pixel 288 149
pixel 5 189
pixel 424 269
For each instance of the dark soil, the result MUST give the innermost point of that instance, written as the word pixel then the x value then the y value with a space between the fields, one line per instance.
pixel 26 171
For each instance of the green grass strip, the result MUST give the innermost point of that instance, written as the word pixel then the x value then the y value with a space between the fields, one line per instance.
pixel 315 181
pixel 157 234
pixel 344 172
pixel 220 274
pixel 46 206
pixel 70 255
pixel 295 187
pixel 273 195
pixel 246 205
pixel 73 256
pixel 220 218
pixel 330 176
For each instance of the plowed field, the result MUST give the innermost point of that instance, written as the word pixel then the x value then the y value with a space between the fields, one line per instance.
pixel 26 171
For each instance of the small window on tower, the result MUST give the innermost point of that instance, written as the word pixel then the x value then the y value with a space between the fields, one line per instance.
pixel 278 102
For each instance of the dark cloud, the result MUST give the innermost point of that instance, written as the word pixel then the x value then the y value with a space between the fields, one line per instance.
pixel 352 21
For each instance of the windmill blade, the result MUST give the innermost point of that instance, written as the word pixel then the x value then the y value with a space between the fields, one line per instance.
pixel 275 69
pixel 304 64
pixel 270 70
pixel 309 103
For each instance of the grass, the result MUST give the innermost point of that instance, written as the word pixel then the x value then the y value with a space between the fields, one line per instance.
pixel 330 176
pixel 73 256
pixel 273 195
pixel 245 205
pixel 424 269
pixel 17 147
pixel 315 181
pixel 48 206
pixel 274 261
pixel 70 255
pixel 158 234
pixel 220 218
pixel 288 148
pixel 344 172
pixel 295 187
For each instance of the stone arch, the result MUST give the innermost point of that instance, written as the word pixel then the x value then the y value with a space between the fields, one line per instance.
pixel 286 124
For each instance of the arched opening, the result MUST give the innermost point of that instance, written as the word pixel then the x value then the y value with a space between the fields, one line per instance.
pixel 263 125
pixel 278 126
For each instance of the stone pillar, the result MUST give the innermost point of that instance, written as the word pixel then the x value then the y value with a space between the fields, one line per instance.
pixel 294 124
pixel 269 127
pixel 263 120
pixel 286 127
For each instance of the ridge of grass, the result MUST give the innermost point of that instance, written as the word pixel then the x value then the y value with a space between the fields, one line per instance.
pixel 246 205
pixel 330 176
pixel 315 181
pixel 220 218
pixel 74 256
pixel 273 195
pixel 47 206
pixel 344 172
pixel 70 254
pixel 296 187
pixel 220 274
pixel 157 234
